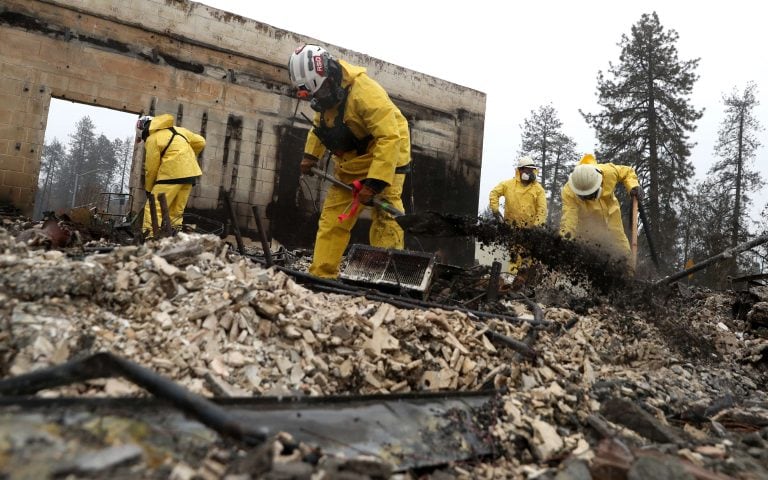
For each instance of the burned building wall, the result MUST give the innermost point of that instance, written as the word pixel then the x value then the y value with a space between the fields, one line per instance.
pixel 224 76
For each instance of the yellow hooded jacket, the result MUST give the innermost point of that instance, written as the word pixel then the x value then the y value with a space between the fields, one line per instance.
pixel 599 221
pixel 180 159
pixel 369 111
pixel 525 205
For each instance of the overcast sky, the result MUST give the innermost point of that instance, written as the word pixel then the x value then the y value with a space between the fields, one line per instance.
pixel 63 115
pixel 527 54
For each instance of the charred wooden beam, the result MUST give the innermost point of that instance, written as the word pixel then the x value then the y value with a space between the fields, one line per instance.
pixel 233 219
pixel 105 364
pixel 399 301
pixel 492 294
pixel 725 255
pixel 516 345
pixel 153 214
pixel 263 236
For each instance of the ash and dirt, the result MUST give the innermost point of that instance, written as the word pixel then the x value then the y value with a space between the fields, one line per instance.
pixel 580 261
pixel 670 383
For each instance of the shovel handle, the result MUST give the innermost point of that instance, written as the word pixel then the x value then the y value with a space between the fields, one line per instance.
pixel 633 240
pixel 383 204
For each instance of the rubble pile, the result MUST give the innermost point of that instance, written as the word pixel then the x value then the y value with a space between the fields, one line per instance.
pixel 251 330
pixel 668 382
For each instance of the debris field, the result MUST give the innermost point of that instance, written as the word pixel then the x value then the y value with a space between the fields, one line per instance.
pixel 582 383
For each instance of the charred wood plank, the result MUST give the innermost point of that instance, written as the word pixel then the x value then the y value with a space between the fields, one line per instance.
pixel 233 219
pixel 263 237
pixel 153 213
pixel 724 255
pixel 492 294
pixel 516 345
pixel 105 364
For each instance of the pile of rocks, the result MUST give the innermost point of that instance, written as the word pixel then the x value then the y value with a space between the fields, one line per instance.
pixel 608 385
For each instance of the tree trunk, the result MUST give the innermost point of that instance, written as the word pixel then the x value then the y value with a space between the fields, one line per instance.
pixel 544 160
pixel 554 185
pixel 739 165
pixel 653 170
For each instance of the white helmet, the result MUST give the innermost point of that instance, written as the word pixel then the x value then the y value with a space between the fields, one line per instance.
pixel 585 179
pixel 308 69
pixel 526 162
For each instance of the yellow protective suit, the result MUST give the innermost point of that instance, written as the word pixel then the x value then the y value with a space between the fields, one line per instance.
pixel 598 222
pixel 524 206
pixel 176 196
pixel 175 173
pixel 368 111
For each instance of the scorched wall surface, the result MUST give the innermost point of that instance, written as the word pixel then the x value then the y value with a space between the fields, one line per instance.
pixel 224 76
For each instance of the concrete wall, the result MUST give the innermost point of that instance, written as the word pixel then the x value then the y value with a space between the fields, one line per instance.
pixel 224 76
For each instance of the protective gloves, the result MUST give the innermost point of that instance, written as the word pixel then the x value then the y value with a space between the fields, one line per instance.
pixel 371 188
pixel 636 192
pixel 306 165
pixel 365 195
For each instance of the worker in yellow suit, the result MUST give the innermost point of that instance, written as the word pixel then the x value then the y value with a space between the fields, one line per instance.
pixel 170 166
pixel 591 211
pixel 525 204
pixel 368 138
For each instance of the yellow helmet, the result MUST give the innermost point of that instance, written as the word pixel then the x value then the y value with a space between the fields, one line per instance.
pixel 587 158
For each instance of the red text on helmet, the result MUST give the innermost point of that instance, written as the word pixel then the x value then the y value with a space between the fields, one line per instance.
pixel 319 67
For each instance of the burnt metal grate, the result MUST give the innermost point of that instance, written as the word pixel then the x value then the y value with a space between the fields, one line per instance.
pixel 380 266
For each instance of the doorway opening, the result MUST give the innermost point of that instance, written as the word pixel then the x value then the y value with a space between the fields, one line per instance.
pixel 86 160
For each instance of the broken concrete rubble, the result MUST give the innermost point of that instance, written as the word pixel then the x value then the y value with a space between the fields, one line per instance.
pixel 220 325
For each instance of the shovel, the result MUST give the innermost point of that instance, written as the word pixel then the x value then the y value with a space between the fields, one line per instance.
pixel 382 204
pixel 430 223
pixel 647 231
pixel 633 230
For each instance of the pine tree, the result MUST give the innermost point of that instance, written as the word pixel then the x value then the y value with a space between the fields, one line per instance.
pixel 102 164
pixel 80 160
pixel 553 151
pixel 540 134
pixel 704 230
pixel 564 160
pixel 761 252
pixel 51 162
pixel 647 119
pixel 123 154
pixel 736 147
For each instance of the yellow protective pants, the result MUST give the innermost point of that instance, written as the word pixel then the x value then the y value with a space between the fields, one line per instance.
pixel 333 236
pixel 176 195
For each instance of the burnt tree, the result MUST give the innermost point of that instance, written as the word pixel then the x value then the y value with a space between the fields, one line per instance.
pixel 736 147
pixel 646 120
